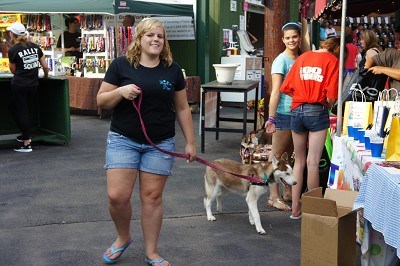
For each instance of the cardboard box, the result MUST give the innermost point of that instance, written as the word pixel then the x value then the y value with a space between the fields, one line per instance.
pixel 328 228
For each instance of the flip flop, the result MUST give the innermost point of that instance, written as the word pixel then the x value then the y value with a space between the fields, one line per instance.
pixel 154 262
pixel 295 217
pixel 108 260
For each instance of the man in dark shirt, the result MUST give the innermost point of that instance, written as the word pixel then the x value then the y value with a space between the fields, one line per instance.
pixel 72 41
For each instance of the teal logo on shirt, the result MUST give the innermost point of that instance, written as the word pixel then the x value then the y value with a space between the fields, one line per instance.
pixel 166 85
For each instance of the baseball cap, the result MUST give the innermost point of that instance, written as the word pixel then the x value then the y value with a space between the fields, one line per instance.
pixel 17 28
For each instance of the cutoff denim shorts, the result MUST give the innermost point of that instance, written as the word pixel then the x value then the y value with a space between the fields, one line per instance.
pixel 282 121
pixel 309 117
pixel 123 152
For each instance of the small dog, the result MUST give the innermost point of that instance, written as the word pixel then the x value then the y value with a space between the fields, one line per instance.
pixel 218 182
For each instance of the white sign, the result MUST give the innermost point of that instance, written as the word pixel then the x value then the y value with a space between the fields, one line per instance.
pixel 233 5
pixel 178 28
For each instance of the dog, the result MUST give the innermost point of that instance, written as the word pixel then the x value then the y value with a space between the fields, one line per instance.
pixel 218 182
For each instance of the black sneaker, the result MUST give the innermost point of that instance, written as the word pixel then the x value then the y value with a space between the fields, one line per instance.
pixel 19 138
pixel 24 148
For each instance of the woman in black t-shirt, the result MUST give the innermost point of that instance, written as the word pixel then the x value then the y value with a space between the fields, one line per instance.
pixel 146 69
pixel 25 59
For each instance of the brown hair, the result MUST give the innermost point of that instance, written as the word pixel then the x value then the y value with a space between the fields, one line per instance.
pixel 135 49
pixel 332 45
pixel 370 39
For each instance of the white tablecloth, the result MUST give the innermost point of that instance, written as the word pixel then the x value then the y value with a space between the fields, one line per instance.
pixel 379 195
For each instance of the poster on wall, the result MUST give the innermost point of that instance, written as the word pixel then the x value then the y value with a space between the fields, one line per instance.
pixel 178 28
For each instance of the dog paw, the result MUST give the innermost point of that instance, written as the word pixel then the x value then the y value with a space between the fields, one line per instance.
pixel 261 232
pixel 211 218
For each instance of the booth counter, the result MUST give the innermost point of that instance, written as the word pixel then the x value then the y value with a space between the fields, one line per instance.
pixel 83 93
pixel 49 112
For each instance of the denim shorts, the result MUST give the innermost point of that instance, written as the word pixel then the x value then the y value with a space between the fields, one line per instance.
pixel 282 121
pixel 123 152
pixel 309 117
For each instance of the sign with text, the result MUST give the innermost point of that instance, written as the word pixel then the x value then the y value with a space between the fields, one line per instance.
pixel 178 28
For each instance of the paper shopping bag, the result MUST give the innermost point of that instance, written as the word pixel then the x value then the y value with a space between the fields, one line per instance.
pixel 380 119
pixel 346 117
pixel 357 114
pixel 383 111
pixel 393 143
pixel 360 114
pixel 336 168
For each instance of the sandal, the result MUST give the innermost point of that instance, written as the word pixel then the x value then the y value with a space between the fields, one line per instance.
pixel 287 198
pixel 108 260
pixel 154 262
pixel 275 204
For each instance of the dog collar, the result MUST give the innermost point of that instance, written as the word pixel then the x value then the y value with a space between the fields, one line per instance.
pixel 265 181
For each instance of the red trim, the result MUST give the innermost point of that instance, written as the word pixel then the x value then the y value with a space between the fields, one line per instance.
pixel 319 7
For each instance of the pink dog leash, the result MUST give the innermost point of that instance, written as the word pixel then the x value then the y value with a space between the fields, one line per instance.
pixel 254 180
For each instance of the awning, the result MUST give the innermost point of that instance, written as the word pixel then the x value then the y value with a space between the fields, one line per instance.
pixel 355 8
pixel 146 7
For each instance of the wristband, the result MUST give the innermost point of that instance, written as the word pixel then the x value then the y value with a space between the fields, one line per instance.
pixel 271 120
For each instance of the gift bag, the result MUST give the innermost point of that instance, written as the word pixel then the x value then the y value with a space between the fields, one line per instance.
pixel 346 117
pixel 357 114
pixel 393 142
pixel 337 163
pixel 383 111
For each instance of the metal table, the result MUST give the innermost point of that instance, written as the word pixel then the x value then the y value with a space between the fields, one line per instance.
pixel 239 86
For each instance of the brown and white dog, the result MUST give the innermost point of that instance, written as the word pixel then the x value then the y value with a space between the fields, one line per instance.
pixel 218 182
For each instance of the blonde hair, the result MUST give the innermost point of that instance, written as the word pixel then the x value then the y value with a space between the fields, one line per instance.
pixel 135 49
pixel 20 38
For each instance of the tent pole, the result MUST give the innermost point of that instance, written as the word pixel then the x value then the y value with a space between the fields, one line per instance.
pixel 341 64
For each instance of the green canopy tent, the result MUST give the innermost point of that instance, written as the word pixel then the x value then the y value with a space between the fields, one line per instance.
pixel 112 7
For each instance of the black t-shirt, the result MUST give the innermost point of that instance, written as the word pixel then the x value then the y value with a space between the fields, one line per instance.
pixel 158 85
pixel 71 40
pixel 26 57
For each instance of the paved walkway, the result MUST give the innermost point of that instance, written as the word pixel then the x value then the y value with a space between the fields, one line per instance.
pixel 53 209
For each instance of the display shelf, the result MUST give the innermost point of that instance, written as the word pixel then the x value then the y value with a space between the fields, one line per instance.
pixel 95 62
pixel 46 39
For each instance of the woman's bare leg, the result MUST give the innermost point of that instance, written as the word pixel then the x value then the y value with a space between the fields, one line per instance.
pixel 151 189
pixel 281 142
pixel 315 149
pixel 120 183
pixel 300 151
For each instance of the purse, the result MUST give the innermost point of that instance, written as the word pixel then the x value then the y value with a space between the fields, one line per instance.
pixel 371 84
